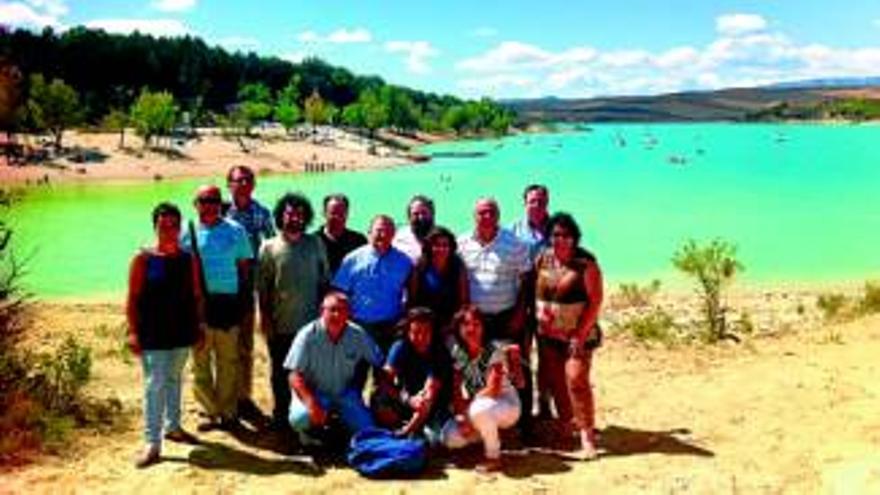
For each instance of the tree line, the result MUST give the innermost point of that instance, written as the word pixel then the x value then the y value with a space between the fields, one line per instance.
pixel 89 77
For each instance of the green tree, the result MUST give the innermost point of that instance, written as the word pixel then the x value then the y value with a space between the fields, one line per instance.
pixel 153 114
pixel 317 111
pixel 287 114
pixel 116 121
pixel 714 267
pixel 53 107
pixel 402 112
pixel 254 104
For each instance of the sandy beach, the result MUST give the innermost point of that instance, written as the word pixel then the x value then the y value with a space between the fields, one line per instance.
pixel 789 410
pixel 270 151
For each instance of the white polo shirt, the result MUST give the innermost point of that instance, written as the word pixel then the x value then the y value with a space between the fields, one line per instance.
pixel 494 270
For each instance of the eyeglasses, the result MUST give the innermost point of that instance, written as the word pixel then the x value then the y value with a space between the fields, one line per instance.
pixel 208 200
pixel 242 181
pixel 559 234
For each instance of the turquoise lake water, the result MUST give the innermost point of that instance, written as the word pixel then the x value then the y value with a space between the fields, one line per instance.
pixel 800 201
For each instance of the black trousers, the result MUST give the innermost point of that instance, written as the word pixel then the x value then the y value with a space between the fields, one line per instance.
pixel 279 346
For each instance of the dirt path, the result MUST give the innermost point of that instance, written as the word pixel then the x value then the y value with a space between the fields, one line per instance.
pixel 796 413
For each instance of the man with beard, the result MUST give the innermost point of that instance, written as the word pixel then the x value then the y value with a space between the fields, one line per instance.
pixel 338 239
pixel 293 274
pixel 420 215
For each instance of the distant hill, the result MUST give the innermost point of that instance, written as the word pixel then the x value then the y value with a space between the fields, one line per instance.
pixel 831 82
pixel 736 104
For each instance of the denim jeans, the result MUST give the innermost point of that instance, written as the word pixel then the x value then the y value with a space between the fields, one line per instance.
pixel 349 405
pixel 162 374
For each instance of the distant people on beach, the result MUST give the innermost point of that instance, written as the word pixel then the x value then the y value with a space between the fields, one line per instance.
pixel 163 324
pixel 446 324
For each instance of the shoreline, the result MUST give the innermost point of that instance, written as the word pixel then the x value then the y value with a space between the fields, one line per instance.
pixel 270 152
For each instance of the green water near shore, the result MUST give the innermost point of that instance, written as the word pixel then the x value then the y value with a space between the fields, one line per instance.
pixel 800 201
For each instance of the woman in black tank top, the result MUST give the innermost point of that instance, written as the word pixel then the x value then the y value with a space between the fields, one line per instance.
pixel 163 323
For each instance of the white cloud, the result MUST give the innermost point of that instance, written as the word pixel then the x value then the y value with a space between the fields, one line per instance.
pixel 33 13
pixel 174 5
pixel 340 36
pixel 484 32
pixel 624 58
pixel 509 55
pixel 496 85
pixel 736 24
pixel 677 57
pixel 239 43
pixel 745 53
pixel 155 27
pixel 416 54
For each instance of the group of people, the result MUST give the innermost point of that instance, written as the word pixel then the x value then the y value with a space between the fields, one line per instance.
pixel 437 328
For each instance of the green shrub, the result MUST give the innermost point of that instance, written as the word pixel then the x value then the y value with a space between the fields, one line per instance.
pixel 633 295
pixel 831 305
pixel 870 302
pixel 58 378
pixel 714 267
pixel 654 326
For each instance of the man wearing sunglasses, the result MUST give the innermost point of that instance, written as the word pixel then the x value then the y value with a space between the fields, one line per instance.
pixel 257 222
pixel 222 248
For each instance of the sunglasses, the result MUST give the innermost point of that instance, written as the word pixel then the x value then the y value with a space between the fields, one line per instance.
pixel 242 181
pixel 209 200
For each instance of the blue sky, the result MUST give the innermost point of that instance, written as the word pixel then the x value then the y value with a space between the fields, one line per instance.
pixel 517 48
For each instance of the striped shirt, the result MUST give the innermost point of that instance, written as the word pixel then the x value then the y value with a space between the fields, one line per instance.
pixel 494 270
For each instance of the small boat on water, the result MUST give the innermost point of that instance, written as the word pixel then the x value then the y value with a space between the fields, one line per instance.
pixel 458 154
pixel 677 159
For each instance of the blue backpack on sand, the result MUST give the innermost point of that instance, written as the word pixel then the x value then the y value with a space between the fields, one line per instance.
pixel 377 453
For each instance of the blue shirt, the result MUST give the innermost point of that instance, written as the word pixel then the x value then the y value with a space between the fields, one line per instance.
pixel 414 369
pixel 534 238
pixel 221 246
pixel 374 283
pixel 329 367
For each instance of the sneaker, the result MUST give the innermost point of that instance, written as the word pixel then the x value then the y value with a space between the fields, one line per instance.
pixel 181 436
pixel 148 457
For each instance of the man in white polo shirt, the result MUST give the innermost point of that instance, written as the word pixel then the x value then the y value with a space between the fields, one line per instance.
pixel 497 261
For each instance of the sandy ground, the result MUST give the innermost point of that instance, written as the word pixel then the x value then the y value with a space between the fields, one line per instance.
pixel 209 155
pixel 795 411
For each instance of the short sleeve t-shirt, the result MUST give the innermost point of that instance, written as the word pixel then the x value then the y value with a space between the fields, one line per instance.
pixel 330 366
pixel 221 246
pixel 414 369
